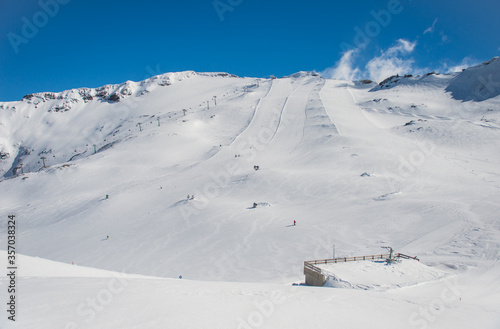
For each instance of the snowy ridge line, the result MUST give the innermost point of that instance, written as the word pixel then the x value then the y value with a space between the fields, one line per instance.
pixel 115 91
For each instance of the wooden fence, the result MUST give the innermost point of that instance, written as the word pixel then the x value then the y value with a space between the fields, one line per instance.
pixel 311 263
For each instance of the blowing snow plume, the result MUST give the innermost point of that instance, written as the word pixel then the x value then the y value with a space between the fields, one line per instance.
pixel 394 60
pixel 343 69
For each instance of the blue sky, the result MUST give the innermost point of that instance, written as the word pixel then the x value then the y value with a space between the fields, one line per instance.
pixel 76 43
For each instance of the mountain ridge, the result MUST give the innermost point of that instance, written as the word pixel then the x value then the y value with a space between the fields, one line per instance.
pixel 116 92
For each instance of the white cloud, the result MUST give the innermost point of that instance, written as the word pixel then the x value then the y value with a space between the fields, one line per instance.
pixel 402 46
pixel 444 37
pixel 431 28
pixel 343 69
pixel 466 63
pixel 392 61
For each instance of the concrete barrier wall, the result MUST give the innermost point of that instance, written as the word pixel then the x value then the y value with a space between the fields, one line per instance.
pixel 314 278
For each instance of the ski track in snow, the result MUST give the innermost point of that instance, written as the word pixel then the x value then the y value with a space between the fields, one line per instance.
pixel 346 163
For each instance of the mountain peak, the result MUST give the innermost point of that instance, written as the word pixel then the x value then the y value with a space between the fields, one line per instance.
pixel 477 83
pixel 302 74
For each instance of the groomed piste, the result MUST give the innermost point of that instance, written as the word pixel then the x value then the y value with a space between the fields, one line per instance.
pixel 134 202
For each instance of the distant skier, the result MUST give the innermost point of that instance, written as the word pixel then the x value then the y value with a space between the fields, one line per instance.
pixel 107 237
pixel 294 222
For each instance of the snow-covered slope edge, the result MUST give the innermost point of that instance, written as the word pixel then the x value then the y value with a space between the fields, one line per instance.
pixel 408 167
pixel 55 297
pixel 93 120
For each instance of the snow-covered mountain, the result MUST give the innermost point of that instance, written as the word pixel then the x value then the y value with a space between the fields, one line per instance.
pixel 477 83
pixel 170 169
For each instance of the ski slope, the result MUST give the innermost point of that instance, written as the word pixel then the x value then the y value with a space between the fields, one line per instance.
pixel 360 167
pixel 71 296
pixel 380 275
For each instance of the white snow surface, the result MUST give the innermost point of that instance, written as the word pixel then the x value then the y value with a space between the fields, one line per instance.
pixel 379 274
pixel 432 191
pixel 78 297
